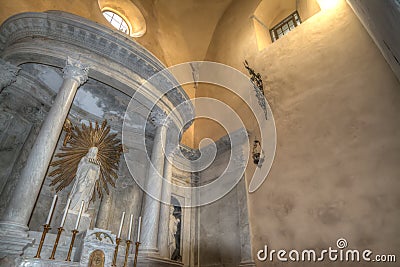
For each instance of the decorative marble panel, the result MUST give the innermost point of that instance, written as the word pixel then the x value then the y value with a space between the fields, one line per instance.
pixel 13 132
pixel 97 240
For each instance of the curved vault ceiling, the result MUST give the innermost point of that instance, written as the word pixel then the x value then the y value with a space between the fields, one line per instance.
pixel 186 27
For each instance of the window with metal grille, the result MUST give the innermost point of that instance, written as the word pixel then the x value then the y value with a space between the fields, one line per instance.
pixel 285 26
pixel 117 21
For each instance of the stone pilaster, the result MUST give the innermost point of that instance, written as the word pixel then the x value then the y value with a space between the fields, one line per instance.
pixel 14 221
pixel 8 74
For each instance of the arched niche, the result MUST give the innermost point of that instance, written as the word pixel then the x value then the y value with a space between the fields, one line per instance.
pixel 129 12
pixel 177 213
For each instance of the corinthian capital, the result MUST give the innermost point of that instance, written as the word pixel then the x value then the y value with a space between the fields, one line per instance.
pixel 76 70
pixel 159 118
pixel 8 73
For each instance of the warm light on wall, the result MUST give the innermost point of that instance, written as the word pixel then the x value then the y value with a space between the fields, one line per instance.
pixel 328 4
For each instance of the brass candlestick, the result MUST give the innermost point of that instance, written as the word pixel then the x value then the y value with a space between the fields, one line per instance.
pixel 74 232
pixel 60 229
pixel 128 244
pixel 136 253
pixel 46 228
pixel 114 263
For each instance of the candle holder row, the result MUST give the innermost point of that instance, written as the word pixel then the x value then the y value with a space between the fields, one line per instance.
pixel 128 241
pixel 47 228
pixel 128 244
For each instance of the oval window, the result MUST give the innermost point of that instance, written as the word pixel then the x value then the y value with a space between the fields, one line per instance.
pixel 117 21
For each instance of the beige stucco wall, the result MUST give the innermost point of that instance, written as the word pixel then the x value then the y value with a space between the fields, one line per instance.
pixel 335 101
pixel 307 8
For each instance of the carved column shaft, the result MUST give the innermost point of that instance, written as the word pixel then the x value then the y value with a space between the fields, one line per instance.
pixel 165 208
pixel 8 74
pixel 151 205
pixel 27 190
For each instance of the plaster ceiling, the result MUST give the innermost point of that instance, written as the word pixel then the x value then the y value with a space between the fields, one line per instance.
pixel 186 27
pixel 272 11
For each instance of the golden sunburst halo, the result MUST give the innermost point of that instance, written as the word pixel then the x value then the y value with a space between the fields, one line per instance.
pixel 76 145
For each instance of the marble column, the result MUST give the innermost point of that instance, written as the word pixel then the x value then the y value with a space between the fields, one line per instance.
pixel 163 229
pixel 151 203
pixel 16 216
pixel 8 74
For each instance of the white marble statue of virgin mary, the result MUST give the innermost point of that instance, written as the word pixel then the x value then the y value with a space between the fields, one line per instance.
pixel 173 228
pixel 85 180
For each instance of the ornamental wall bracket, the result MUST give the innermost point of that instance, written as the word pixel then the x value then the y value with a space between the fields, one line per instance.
pixel 258 85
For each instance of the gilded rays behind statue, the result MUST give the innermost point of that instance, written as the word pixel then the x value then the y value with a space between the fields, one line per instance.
pixel 90 155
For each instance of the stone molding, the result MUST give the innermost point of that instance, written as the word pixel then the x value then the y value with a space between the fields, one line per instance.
pixel 86 35
pixel 158 118
pixel 13 239
pixel 189 153
pixel 8 73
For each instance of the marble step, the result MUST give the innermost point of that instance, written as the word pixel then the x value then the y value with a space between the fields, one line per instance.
pixel 46 263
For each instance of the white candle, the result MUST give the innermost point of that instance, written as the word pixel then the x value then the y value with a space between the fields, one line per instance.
pixel 65 213
pixel 130 227
pixel 138 229
pixel 53 205
pixel 79 216
pixel 120 226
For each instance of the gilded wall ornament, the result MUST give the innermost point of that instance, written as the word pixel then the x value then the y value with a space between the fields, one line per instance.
pixel 97 259
pixel 79 143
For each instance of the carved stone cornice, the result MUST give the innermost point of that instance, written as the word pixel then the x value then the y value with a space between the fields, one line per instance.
pixel 159 118
pixel 90 37
pixel 76 70
pixel 189 153
pixel 8 73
